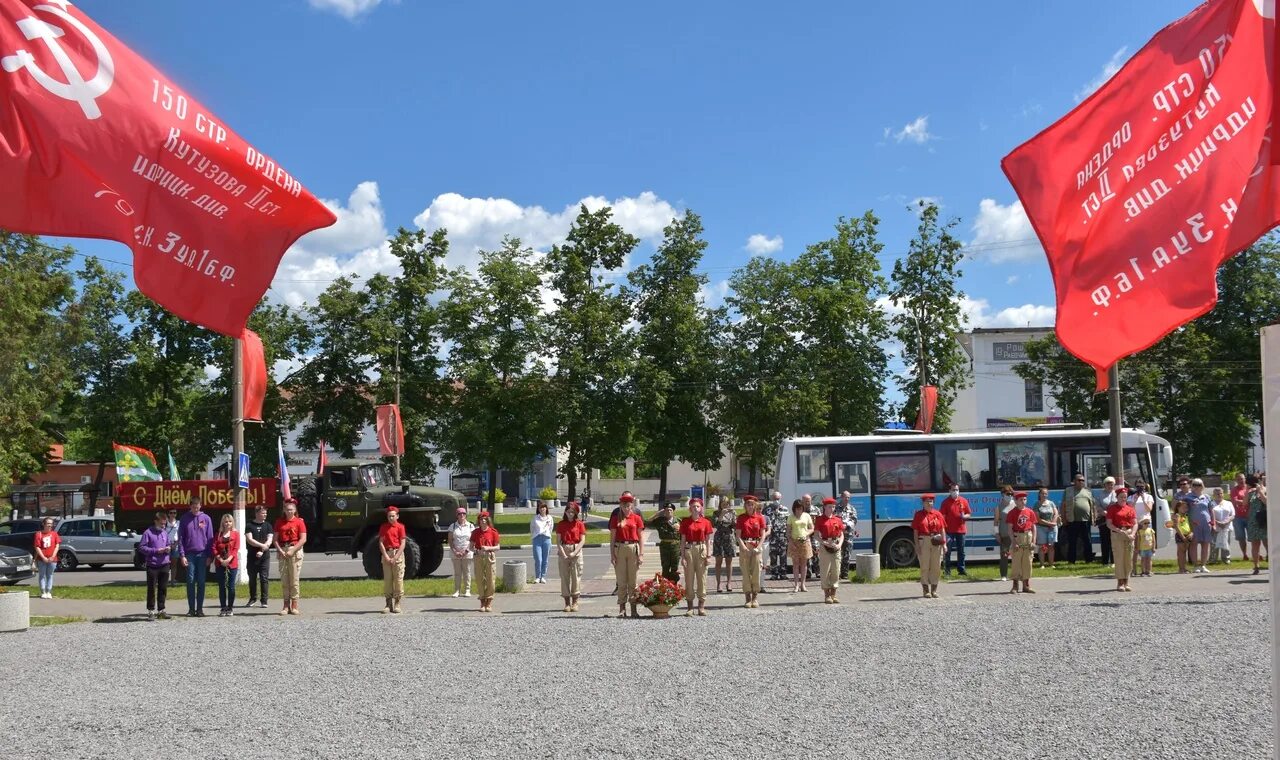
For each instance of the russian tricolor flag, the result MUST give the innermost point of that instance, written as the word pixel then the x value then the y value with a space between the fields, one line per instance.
pixel 283 467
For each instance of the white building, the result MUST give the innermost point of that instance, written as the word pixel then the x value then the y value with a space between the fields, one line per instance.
pixel 995 396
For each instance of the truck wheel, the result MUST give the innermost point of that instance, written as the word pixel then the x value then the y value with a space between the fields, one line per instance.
pixel 304 490
pixel 372 558
pixel 899 548
pixel 432 555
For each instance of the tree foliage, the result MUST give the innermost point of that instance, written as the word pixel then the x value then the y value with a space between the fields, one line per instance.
pixel 925 291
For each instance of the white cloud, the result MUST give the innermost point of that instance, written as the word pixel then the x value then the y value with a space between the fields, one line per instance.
pixel 476 224
pixel 1012 279
pixel 348 9
pixel 1109 70
pixel 916 132
pixel 763 245
pixel 1003 234
pixel 360 224
pixel 713 294
pixel 977 312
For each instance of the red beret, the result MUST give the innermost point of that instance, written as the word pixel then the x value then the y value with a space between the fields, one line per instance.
pixel 828 500
pixel 1019 494
pixel 927 497
pixel 1122 490
pixel 626 497
pixel 393 509
pixel 695 500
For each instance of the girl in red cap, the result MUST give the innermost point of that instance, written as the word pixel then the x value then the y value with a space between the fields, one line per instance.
pixel 626 550
pixel 1122 521
pixel 391 537
pixel 751 530
pixel 1022 527
pixel 571 534
pixel 830 531
pixel 930 532
pixel 695 547
pixel 485 543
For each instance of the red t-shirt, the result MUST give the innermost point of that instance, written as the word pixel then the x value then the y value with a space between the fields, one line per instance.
pixel 571 531
pixel 629 528
pixel 751 526
pixel 1023 520
pixel 828 527
pixel 1122 515
pixel 391 536
pixel 954 511
pixel 1240 499
pixel 290 531
pixel 696 530
pixel 48 543
pixel 486 537
pixel 228 546
pixel 928 522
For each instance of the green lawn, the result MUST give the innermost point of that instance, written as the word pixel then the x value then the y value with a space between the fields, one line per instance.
pixel 990 571
pixel 318 589
pixel 39 621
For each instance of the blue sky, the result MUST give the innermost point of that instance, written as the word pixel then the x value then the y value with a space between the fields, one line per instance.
pixel 770 120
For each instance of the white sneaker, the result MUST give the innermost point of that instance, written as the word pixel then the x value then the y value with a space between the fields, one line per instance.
pixel 467 595
pixel 455 595
pixel 1204 569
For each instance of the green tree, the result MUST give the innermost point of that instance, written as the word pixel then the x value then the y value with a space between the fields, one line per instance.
pixel 500 415
pixel 844 330
pixel 1071 384
pixel 588 338
pixel 926 293
pixel 35 370
pixel 761 396
pixel 404 315
pixel 674 381
pixel 100 356
pixel 332 390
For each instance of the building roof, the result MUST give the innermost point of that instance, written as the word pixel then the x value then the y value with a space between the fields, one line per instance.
pixel 991 330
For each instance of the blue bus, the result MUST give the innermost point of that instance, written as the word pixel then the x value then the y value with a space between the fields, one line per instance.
pixel 886 472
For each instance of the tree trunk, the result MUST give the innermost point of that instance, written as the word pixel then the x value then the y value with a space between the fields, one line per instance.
pixel 662 484
pixel 493 485
pixel 573 473
pixel 751 478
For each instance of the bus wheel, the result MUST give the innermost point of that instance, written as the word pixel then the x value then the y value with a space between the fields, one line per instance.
pixel 899 548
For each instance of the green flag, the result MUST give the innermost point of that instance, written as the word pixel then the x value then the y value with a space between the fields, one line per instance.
pixel 134 463
pixel 173 468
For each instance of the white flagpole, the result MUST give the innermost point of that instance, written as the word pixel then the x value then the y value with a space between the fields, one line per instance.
pixel 1271 425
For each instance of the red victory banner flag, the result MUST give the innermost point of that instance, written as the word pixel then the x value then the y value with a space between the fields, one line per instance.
pixel 390 431
pixel 1142 191
pixel 95 142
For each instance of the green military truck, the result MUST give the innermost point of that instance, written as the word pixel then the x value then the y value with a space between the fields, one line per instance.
pixel 342 508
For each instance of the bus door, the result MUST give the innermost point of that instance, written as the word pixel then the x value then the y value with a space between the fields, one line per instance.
pixel 855 477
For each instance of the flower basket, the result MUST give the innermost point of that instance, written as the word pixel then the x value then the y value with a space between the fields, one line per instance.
pixel 659 595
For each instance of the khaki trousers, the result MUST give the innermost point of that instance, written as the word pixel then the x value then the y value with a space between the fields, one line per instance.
pixel 1122 552
pixel 462 575
pixel 828 568
pixel 930 557
pixel 290 574
pixel 393 577
pixel 570 576
pixel 749 561
pixel 1023 546
pixel 485 564
pixel 695 571
pixel 626 569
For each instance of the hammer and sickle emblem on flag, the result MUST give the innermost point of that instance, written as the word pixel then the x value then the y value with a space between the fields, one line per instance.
pixel 76 88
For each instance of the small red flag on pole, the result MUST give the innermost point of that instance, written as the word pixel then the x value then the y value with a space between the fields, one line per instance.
pixel 390 431
pixel 928 406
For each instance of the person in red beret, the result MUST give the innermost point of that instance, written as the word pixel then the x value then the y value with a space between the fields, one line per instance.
pixel 695 546
pixel 1022 529
pixel 830 532
pixel 485 542
pixel 571 535
pixel 1122 521
pixel 391 538
pixel 930 529
pixel 751 531
pixel 626 551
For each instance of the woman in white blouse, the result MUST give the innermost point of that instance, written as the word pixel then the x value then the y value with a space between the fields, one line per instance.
pixel 460 549
pixel 541 527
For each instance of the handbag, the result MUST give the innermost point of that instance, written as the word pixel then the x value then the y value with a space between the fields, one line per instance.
pixel 937 539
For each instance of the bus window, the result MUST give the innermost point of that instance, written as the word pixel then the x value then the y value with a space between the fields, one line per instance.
pixel 902 472
pixel 1022 463
pixel 811 465
pixel 1136 465
pixel 965 463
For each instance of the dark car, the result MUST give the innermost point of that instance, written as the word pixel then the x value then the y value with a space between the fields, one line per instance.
pixel 15 565
pixel 20 534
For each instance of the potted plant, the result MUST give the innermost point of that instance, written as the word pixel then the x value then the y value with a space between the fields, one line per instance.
pixel 499 498
pixel 659 595
pixel 549 495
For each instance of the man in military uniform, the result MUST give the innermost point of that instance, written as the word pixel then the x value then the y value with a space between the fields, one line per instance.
pixel 668 529
pixel 776 513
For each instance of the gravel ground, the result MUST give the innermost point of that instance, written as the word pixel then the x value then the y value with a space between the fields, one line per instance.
pixel 984 677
